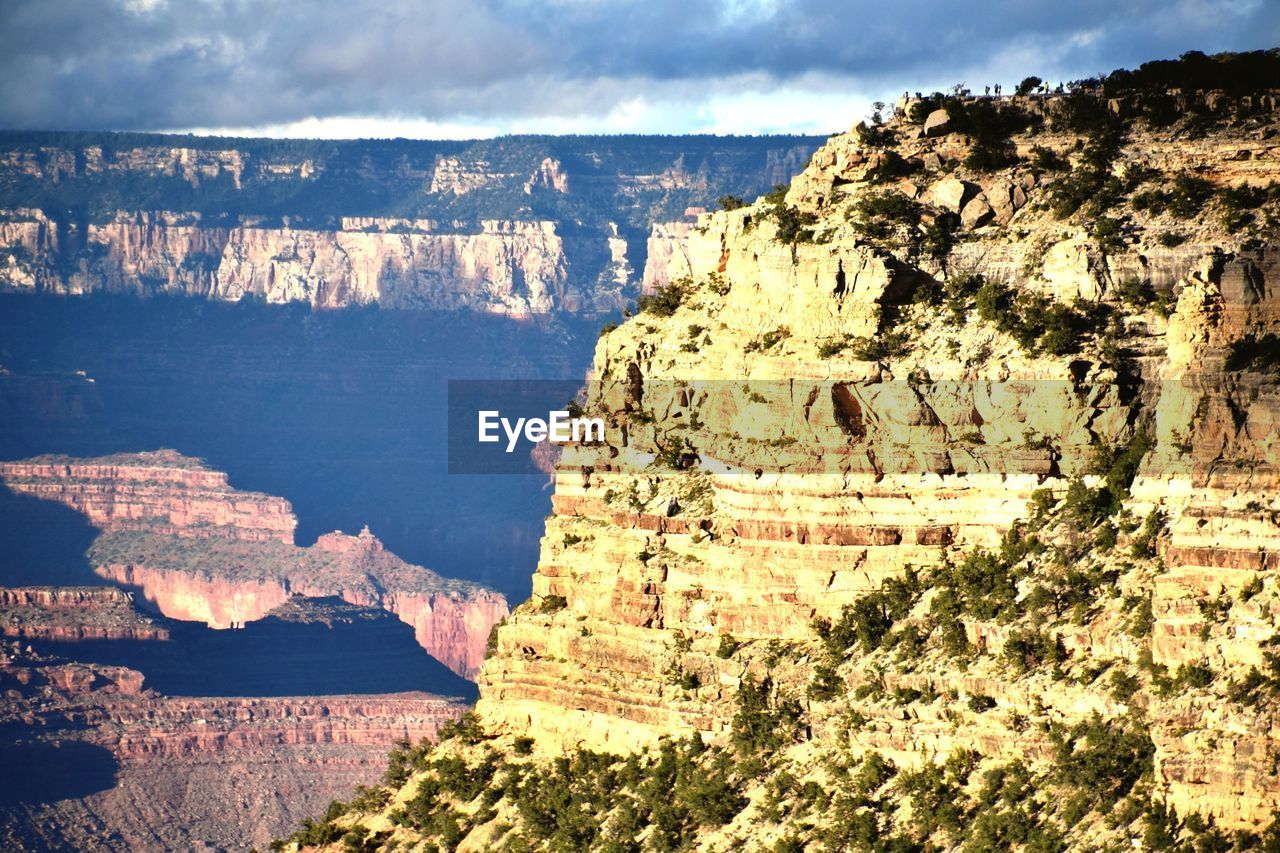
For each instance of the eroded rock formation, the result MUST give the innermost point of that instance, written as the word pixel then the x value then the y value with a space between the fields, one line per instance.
pixel 310 222
pixel 824 407
pixel 74 613
pixel 200 550
pixel 190 772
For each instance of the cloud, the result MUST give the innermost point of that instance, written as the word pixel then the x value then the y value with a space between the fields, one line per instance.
pixel 456 66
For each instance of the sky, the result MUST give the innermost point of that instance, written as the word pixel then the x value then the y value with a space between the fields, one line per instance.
pixel 475 68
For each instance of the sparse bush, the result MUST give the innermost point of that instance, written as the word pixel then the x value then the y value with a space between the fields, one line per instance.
pixel 1028 649
pixel 728 647
pixel 1048 160
pixel 552 604
pixel 764 720
pixel 665 301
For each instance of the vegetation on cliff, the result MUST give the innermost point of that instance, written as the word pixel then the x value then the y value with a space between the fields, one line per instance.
pixel 981 411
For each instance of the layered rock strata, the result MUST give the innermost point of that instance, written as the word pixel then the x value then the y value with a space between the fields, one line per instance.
pixel 820 408
pixel 74 613
pixel 516 226
pixel 191 772
pixel 200 550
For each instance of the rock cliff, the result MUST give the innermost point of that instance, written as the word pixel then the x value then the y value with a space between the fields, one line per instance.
pixel 200 550
pixel 192 772
pixel 161 492
pixel 74 613
pixel 515 226
pixel 938 504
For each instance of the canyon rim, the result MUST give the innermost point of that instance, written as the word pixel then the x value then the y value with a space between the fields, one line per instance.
pixel 929 492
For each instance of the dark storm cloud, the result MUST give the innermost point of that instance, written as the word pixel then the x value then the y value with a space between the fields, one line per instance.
pixel 149 64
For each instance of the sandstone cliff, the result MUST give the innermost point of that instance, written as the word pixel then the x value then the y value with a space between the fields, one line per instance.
pixel 939 496
pixel 506 267
pixel 200 550
pixel 162 492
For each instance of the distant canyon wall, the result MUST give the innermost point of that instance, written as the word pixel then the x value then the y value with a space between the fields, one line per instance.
pixel 150 493
pixel 229 773
pixel 516 226
pixel 508 267
pixel 200 550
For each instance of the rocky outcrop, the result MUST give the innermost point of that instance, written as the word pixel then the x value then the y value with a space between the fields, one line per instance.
pixel 666 259
pixel 199 550
pixel 809 417
pixel 451 628
pixel 161 492
pixel 224 772
pixel 74 613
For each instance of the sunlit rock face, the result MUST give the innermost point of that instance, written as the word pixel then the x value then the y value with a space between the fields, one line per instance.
pixel 181 771
pixel 807 417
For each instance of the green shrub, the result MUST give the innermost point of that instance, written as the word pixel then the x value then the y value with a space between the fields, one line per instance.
pixel 1239 202
pixel 826 684
pixel 552 604
pixel 981 704
pixel 1028 649
pixel 1048 160
pixel 828 349
pixel 763 721
pixel 1089 181
pixel 1124 685
pixel 879 215
pixel 664 301
pixel 867 621
pixel 1183 197
pixel 794 226
pixel 1103 759
pixel 768 340
pixel 728 647
pixel 875 135
pixel 891 166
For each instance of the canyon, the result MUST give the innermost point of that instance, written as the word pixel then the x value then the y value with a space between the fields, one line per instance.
pixel 150 731
pixel 241 662
pixel 146 770
pixel 517 226
pixel 938 506
pixel 245 564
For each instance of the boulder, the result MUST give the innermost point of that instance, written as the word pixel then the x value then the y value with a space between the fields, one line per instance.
pixel 977 212
pixel 950 193
pixel 938 123
pixel 1005 200
pixel 932 162
pixel 1000 197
